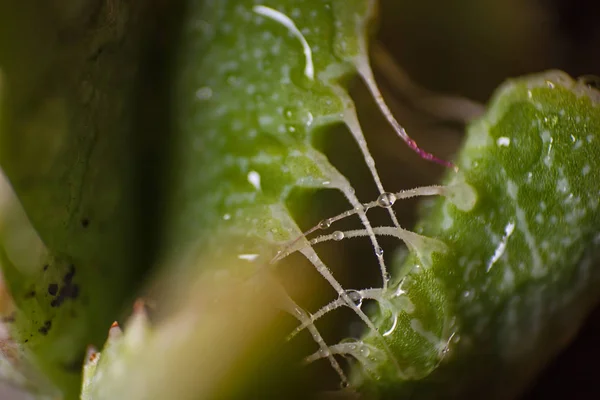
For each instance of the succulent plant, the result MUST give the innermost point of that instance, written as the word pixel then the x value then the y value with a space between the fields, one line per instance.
pixel 179 198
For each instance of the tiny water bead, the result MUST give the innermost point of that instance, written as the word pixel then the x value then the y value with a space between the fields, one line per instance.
pixel 338 235
pixel 355 296
pixel 324 224
pixel 386 200
pixel 379 252
pixel 365 351
pixel 387 277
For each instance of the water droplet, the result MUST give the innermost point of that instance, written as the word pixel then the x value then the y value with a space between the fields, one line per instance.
pixel 365 351
pixel 344 384
pixel 386 200
pixel 313 241
pixel 379 252
pixel 324 224
pixel 387 276
pixel 338 235
pixel 355 296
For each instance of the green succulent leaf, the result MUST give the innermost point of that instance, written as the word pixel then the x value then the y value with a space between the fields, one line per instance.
pixel 249 104
pixel 517 277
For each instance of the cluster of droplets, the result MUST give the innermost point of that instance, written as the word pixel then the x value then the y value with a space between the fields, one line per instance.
pixel 384 200
pixel 354 298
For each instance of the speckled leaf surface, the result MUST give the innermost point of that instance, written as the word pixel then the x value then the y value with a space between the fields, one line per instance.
pixel 250 101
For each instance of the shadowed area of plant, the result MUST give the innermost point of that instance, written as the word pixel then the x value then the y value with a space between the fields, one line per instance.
pixel 66 145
